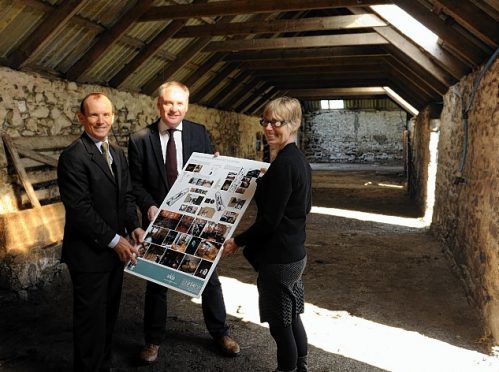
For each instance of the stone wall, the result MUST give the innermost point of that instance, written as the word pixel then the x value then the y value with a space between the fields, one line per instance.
pixel 466 214
pixel 419 157
pixel 334 136
pixel 31 105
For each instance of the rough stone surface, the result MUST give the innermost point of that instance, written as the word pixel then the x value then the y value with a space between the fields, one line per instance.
pixel 467 203
pixel 32 105
pixel 354 136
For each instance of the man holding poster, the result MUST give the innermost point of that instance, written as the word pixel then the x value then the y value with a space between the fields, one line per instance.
pixel 156 153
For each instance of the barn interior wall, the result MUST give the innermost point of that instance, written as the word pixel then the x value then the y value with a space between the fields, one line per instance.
pixel 419 157
pixel 466 204
pixel 32 105
pixel 354 136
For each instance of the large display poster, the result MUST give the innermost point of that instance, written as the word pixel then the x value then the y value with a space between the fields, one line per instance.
pixel 183 243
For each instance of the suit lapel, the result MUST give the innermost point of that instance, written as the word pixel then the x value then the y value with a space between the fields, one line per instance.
pixel 96 156
pixel 156 147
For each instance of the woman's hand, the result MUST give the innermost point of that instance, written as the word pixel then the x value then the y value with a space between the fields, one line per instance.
pixel 230 247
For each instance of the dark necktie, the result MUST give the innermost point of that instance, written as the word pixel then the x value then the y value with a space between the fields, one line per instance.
pixel 107 156
pixel 171 159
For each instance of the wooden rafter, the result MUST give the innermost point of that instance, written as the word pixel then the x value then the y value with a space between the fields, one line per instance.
pixel 108 39
pixel 51 25
pixel 238 80
pixel 283 25
pixel 463 47
pixel 234 7
pixel 370 38
pixel 444 59
pixel 473 19
pixel 225 71
pixel 147 52
pixel 182 59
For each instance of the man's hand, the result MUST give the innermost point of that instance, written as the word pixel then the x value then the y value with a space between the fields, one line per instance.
pixel 216 154
pixel 230 247
pixel 137 235
pixel 151 212
pixel 126 251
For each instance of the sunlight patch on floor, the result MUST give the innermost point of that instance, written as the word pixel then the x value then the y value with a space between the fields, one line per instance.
pixel 373 217
pixel 338 332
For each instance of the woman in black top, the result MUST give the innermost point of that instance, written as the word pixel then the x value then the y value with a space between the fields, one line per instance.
pixel 275 243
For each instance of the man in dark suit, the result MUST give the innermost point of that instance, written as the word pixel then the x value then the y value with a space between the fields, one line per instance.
pixel 153 173
pixel 95 187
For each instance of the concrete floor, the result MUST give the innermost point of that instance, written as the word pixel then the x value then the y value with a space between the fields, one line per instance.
pixel 381 295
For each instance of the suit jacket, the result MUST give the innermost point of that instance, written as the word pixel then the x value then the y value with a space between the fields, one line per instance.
pixel 98 205
pixel 147 165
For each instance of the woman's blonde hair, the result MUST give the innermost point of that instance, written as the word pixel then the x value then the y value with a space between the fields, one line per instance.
pixel 284 109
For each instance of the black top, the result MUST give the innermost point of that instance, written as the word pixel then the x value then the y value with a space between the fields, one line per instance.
pixel 284 198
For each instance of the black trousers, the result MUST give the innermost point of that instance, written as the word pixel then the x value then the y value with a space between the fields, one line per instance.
pixel 96 302
pixel 155 310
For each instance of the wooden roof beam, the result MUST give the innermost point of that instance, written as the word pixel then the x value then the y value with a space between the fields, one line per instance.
pixel 297 42
pixel 182 59
pixel 443 58
pixel 242 90
pixel 107 39
pixel 50 26
pixel 147 52
pixel 283 25
pixel 234 7
pixel 473 19
pixel 310 63
pixel 332 52
pixel 257 106
pixel 337 92
pixel 463 47
pixel 217 99
pixel 212 83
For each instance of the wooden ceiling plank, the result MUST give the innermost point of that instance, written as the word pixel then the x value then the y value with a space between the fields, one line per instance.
pixel 225 92
pixel 256 106
pixel 147 52
pixel 473 19
pixel 317 62
pixel 234 7
pixel 107 39
pixel 415 54
pixel 370 38
pixel 182 59
pixel 283 25
pixel 283 54
pixel 413 51
pixel 241 90
pixel 204 68
pixel 396 66
pixel 50 26
pixel 212 83
pixel 443 58
pixel 337 92
pixel 400 59
pixel 466 50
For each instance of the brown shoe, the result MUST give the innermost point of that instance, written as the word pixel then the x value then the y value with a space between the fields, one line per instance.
pixel 149 353
pixel 228 346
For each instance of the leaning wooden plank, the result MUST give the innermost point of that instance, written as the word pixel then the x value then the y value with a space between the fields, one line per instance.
pixel 45 142
pixel 20 170
pixel 36 156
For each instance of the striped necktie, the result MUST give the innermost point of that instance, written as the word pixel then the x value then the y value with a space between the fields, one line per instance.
pixel 107 156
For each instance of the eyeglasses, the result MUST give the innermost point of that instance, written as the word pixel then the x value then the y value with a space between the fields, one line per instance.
pixel 273 123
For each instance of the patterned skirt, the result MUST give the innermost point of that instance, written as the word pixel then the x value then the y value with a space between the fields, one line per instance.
pixel 281 292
